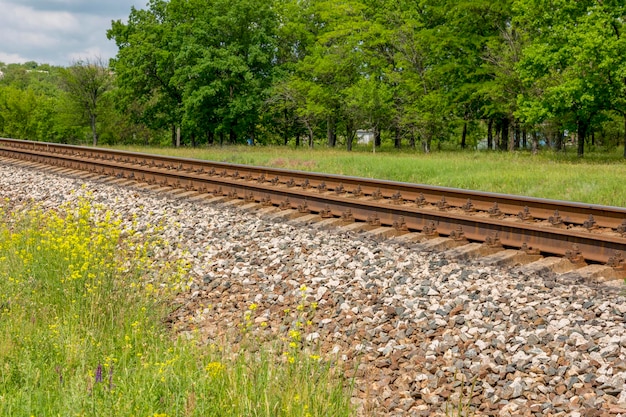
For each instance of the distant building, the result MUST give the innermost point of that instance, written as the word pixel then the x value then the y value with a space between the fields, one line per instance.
pixel 365 137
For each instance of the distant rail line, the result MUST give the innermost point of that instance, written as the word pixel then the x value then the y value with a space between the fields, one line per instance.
pixel 583 233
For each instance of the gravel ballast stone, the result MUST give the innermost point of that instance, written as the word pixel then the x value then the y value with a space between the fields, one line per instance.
pixel 416 331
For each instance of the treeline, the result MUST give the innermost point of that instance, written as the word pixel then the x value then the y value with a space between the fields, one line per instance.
pixel 71 105
pixel 508 74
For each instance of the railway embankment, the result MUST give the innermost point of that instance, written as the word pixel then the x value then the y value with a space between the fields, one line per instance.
pixel 418 331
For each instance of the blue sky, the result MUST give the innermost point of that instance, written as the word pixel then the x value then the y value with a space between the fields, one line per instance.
pixel 59 32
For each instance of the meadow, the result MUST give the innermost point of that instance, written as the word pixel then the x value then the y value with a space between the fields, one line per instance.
pixel 596 179
pixel 83 307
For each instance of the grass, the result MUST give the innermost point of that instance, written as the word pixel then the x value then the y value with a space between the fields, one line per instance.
pixel 597 178
pixel 461 406
pixel 82 311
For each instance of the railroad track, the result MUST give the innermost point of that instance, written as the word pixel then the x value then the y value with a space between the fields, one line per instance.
pixel 483 223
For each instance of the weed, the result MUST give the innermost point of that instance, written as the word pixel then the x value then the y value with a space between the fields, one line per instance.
pixel 462 405
pixel 82 307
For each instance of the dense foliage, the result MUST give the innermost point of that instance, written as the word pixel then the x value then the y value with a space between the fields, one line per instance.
pixel 70 105
pixel 500 75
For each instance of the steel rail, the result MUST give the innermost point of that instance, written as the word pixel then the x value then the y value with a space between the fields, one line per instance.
pixel 309 193
pixel 554 211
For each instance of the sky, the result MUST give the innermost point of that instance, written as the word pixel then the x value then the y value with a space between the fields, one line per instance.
pixel 59 32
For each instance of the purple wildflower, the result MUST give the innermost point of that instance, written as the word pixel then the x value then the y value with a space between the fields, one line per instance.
pixel 99 373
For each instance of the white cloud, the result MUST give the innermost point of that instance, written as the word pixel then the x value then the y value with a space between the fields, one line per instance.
pixel 26 39
pixel 59 32
pixel 27 18
pixel 12 58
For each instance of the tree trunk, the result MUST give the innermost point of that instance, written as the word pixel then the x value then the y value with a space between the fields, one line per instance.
pixel 331 133
pixel 535 143
pixel 498 138
pixel 582 132
pixel 490 134
pixel 511 144
pixel 298 140
pixel 232 136
pixel 624 135
pixel 397 143
pixel 504 135
pixel 174 135
pixel 210 139
pixel 412 140
pixel 426 144
pixel 378 141
pixel 349 137
pixel 308 126
pixel 93 130
pixel 350 134
pixel 464 136
pixel 286 128
pixel 221 138
pixel 558 141
pixel 178 136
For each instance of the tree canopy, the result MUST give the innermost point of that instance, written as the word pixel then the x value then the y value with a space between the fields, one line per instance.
pixel 507 74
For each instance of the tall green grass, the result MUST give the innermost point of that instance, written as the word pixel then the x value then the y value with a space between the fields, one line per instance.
pixel 597 178
pixel 82 333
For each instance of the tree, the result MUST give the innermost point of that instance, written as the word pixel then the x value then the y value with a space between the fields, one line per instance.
pixel 468 30
pixel 17 110
pixel 31 103
pixel 225 62
pixel 504 86
pixel 145 67
pixel 423 110
pixel 86 82
pixel 336 60
pixel 200 65
pixel 574 63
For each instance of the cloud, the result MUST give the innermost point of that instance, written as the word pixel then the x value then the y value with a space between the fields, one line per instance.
pixel 59 32
pixel 12 58
pixel 106 7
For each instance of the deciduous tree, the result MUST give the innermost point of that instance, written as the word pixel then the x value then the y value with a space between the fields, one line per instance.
pixel 86 82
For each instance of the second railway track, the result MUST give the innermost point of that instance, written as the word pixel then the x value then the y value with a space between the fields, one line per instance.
pixel 583 233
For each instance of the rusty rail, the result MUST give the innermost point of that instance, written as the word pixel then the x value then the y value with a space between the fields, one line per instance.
pixel 596 233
